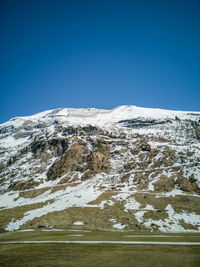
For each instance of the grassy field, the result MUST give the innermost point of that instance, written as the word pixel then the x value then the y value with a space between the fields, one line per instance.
pixel 98 254
pixel 99 235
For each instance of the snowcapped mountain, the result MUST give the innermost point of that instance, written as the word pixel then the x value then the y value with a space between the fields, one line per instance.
pixel 128 168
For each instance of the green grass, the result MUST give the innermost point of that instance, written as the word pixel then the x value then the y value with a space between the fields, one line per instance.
pixel 97 254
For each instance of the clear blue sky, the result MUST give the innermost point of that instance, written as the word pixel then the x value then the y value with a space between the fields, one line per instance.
pixel 98 53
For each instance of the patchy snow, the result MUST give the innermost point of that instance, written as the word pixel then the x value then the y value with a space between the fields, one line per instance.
pixel 139 215
pixel 62 199
pixel 132 204
pixel 172 223
pixel 149 207
pixel 105 202
pixel 112 220
pixel 10 141
pixel 190 218
pixel 119 226
pixel 172 193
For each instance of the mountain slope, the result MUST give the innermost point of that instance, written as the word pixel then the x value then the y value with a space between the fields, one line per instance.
pixel 125 168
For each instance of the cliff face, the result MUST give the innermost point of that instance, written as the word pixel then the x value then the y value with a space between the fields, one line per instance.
pixel 128 168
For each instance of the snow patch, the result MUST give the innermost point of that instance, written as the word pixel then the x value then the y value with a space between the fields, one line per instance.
pixel 119 226
pixel 78 223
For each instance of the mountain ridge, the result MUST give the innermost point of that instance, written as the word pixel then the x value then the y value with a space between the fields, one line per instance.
pixel 144 112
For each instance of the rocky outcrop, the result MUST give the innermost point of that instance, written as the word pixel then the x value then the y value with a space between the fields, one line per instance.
pixel 55 145
pixel 78 158
pixel 68 162
pixel 141 122
pixel 23 185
